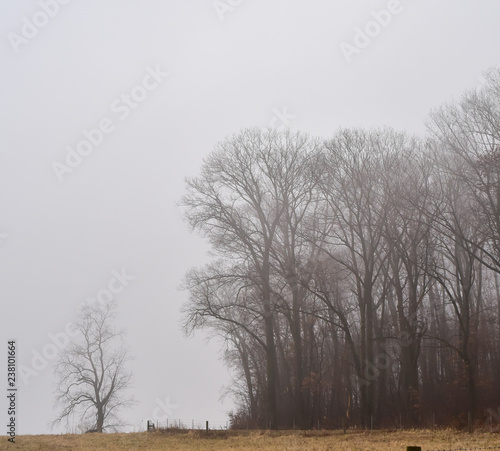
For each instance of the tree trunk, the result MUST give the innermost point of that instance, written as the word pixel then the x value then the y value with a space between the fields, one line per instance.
pixel 271 370
pixel 100 418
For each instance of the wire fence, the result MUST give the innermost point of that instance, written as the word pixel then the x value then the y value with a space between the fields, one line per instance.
pixel 179 423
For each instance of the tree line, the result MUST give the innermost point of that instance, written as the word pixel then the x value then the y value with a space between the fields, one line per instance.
pixel 355 280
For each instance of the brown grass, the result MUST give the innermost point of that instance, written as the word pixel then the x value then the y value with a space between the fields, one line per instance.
pixel 255 440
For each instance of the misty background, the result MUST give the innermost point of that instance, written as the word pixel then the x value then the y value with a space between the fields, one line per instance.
pixel 252 63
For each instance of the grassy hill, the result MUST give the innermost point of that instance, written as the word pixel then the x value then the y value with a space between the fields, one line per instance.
pixel 255 440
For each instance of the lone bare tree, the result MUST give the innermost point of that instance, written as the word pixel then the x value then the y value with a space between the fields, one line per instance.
pixel 91 372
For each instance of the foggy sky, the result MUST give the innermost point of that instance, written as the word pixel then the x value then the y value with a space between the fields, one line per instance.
pixel 257 63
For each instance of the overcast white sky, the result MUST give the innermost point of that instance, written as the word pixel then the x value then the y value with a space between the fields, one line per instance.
pixel 257 63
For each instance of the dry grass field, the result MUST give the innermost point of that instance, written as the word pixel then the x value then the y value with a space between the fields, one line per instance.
pixel 254 440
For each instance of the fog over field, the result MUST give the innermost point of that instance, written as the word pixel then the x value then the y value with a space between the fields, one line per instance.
pixel 107 106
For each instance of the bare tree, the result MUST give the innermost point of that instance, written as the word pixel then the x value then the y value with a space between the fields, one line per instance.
pixel 239 203
pixel 458 271
pixel 467 149
pixel 91 372
pixel 468 133
pixel 354 191
pixel 410 247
